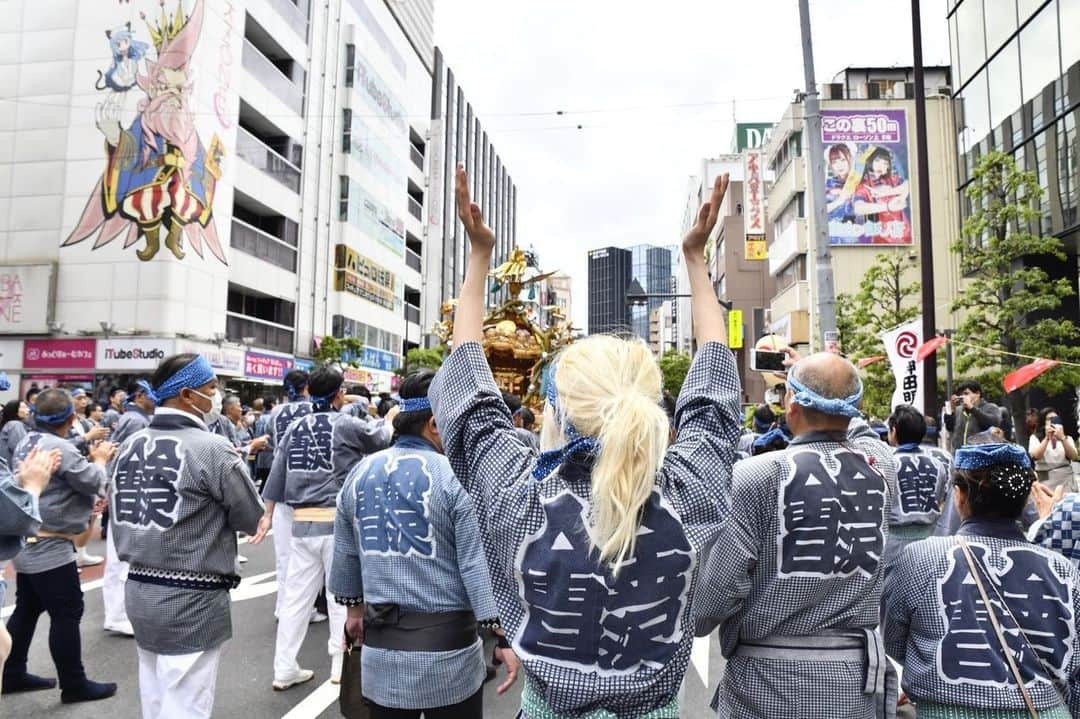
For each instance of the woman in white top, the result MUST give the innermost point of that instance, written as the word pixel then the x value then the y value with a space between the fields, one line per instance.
pixel 1053 451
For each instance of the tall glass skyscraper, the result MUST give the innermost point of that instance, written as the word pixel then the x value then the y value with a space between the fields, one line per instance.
pixel 1016 65
pixel 651 267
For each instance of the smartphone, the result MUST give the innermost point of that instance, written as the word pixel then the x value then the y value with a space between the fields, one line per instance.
pixel 1057 423
pixel 767 361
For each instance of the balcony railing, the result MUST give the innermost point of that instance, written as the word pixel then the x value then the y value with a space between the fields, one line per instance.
pixel 273 78
pixel 413 260
pixel 416 209
pixel 412 313
pixel 257 243
pixel 262 157
pixel 417 157
pixel 270 336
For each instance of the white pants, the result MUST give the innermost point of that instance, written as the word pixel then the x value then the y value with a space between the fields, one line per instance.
pixel 112 588
pixel 178 686
pixel 309 568
pixel 282 523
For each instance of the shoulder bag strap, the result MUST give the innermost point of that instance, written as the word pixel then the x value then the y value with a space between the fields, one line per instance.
pixel 997 628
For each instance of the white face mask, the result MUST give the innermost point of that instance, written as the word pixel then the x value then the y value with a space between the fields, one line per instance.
pixel 215 404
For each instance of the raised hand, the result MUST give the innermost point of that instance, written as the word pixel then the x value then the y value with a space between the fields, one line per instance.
pixel 37 469
pixel 694 243
pixel 102 452
pixel 480 235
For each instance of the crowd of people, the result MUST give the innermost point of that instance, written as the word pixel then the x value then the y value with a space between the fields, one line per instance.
pixel 830 556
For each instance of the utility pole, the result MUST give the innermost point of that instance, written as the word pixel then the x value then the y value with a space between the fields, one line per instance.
pixel 926 242
pixel 823 275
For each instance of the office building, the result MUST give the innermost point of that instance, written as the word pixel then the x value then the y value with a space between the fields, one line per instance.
pixel 651 268
pixel 458 136
pixel 738 271
pixel 1016 67
pixel 610 275
pixel 868 123
pixel 558 297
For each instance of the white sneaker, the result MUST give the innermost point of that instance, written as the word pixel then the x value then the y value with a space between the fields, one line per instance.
pixel 304 675
pixel 317 617
pixel 241 558
pixel 123 627
pixel 82 559
pixel 335 668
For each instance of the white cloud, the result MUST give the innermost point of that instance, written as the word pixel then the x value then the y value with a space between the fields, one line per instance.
pixel 652 87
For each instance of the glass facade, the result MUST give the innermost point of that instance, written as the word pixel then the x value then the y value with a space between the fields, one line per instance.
pixel 651 267
pixel 1018 65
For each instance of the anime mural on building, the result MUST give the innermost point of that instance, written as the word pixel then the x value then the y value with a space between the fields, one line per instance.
pixel 866 177
pixel 159 178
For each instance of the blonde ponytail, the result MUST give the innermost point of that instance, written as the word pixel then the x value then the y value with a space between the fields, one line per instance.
pixel 609 388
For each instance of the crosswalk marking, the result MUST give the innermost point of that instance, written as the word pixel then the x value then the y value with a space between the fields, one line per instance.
pixel 315 703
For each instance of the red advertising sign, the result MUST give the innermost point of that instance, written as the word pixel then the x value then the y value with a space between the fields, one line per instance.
pixel 59 354
pixel 264 366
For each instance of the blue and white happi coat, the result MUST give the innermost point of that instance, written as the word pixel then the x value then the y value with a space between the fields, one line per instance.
pixel 801 555
pixel 936 624
pixel 65 504
pixel 922 480
pixel 314 456
pixel 406 533
pixel 180 493
pixel 20 517
pixel 1061 530
pixel 590 641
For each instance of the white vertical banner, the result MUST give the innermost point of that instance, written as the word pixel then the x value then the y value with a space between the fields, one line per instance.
pixel 900 344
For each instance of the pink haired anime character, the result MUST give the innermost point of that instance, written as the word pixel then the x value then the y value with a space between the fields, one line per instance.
pixel 158 179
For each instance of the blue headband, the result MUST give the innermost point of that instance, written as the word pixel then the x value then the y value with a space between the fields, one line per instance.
pixel 5 383
pixel 146 388
pixel 771 436
pixel 981 456
pixel 193 375
pixel 552 459
pixel 415 404
pixel 291 390
pixel 806 397
pixel 54 420
pixel 326 399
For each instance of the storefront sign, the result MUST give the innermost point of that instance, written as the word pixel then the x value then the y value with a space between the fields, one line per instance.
pixel 306 365
pixel 266 366
pixel 59 354
pixel 141 353
pixel 735 329
pixel 359 276
pixel 752 135
pixel 25 298
pixel 754 205
pixel 224 360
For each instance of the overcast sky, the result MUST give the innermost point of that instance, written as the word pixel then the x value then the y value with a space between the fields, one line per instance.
pixel 652 90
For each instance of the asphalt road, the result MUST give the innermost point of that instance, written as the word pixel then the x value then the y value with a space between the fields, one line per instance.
pixel 243 688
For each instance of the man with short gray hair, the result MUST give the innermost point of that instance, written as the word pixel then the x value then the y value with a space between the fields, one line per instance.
pixel 794 581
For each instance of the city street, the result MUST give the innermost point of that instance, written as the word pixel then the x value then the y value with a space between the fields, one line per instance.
pixel 246 671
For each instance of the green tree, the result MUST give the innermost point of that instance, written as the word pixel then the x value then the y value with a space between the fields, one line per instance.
pixel 1008 300
pixel 673 366
pixel 338 349
pixel 887 297
pixel 421 358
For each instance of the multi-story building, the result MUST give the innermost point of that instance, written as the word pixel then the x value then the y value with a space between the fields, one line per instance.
pixel 610 274
pixel 868 120
pixel 237 179
pixel 458 136
pixel 559 296
pixel 740 277
pixel 651 268
pixel 1016 67
pixel 661 328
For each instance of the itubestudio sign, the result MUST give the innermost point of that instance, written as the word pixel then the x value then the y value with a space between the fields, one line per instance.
pixel 132 353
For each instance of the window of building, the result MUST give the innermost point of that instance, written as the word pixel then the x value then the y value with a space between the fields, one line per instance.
pixel 1004 80
pixel 970 37
pixel 269 320
pixel 1024 8
pixel 343 203
pixel 975 107
pixel 1068 170
pixel 1000 22
pixel 350 64
pixel 794 271
pixel 1039 67
pixel 346 130
pixel 1070 47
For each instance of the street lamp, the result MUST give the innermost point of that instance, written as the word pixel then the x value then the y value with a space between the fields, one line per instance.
pixel 107 328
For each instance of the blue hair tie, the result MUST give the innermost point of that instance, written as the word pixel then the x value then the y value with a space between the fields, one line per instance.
pixel 415 404
pixel 806 397
pixel 193 375
pixel 981 456
pixel 53 420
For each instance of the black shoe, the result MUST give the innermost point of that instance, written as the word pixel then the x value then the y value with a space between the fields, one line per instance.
pixel 88 692
pixel 27 683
